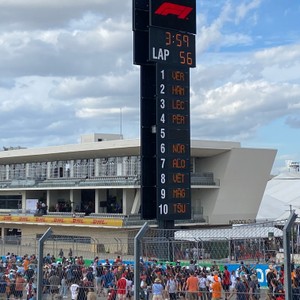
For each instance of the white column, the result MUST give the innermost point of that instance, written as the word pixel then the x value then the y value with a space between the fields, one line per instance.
pixel 27 170
pixel 97 201
pixel 71 168
pixel 7 172
pixel 48 169
pixel 102 198
pixel 127 201
pixel 24 202
pixel 48 200
pixel 2 232
pixel 72 199
pixel 97 164
pixel 137 202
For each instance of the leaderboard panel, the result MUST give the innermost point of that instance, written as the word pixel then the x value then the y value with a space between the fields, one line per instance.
pixel 173 142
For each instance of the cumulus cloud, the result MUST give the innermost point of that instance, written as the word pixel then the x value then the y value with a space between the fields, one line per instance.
pixel 251 105
pixel 66 69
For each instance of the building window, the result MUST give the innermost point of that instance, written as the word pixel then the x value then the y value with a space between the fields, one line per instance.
pixel 10 201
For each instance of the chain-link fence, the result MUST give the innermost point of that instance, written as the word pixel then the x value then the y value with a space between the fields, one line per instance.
pixel 163 252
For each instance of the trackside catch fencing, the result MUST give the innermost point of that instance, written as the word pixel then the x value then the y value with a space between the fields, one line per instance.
pixel 261 242
pixel 256 246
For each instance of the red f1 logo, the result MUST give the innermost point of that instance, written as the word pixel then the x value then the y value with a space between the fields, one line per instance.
pixel 168 8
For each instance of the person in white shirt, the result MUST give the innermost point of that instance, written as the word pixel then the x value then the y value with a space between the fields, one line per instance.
pixel 203 285
pixel 74 290
pixel 172 287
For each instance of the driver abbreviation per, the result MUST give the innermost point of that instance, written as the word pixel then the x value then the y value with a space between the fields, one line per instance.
pixel 160 53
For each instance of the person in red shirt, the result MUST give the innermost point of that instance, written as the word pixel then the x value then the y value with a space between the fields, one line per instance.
pixel 122 288
pixel 226 282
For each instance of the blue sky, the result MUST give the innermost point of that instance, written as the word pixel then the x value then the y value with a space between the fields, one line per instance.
pixel 66 69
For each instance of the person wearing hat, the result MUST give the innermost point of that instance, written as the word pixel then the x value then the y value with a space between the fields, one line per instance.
pixel 216 288
pixel 157 289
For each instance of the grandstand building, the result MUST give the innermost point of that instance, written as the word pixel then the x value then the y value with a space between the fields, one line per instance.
pixel 95 186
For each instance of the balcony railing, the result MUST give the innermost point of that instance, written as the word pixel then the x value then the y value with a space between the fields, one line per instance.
pixel 199 179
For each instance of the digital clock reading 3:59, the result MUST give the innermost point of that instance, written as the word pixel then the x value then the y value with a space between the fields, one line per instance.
pixel 172 47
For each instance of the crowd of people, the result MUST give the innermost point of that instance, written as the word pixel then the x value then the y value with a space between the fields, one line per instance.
pixel 72 278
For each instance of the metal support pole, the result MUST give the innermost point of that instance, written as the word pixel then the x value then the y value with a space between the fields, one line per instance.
pixel 287 255
pixel 137 255
pixel 40 263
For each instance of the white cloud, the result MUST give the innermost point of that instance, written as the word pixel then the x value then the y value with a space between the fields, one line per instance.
pixel 250 104
pixel 66 69
pixel 285 55
pixel 244 8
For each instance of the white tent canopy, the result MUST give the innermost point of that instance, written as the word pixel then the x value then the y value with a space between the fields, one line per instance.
pixel 281 195
pixel 234 233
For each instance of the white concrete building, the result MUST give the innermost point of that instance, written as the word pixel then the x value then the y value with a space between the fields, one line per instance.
pixel 102 175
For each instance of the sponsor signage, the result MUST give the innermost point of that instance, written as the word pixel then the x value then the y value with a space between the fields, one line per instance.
pixel 61 221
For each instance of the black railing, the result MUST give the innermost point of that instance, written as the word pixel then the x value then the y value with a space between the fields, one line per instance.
pixel 202 179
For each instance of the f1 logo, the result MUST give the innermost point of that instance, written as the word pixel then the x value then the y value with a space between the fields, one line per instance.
pixel 168 8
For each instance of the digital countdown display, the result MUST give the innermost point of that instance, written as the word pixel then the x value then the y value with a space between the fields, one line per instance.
pixel 172 47
pixel 173 142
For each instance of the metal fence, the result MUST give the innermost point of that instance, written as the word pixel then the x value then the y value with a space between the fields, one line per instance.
pixel 261 242
pixel 253 244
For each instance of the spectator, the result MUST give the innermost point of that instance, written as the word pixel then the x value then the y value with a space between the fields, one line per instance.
pixel 108 280
pixel 157 289
pixel 54 282
pixel 254 288
pixel 19 287
pixel 202 285
pixel 240 289
pixel 232 285
pixel 74 290
pixel 64 286
pixel 61 253
pixel 29 288
pixel 91 295
pixel 81 295
pixel 226 282
pixel 122 287
pixel 216 288
pixel 172 287
pixel 192 287
pixel 3 285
